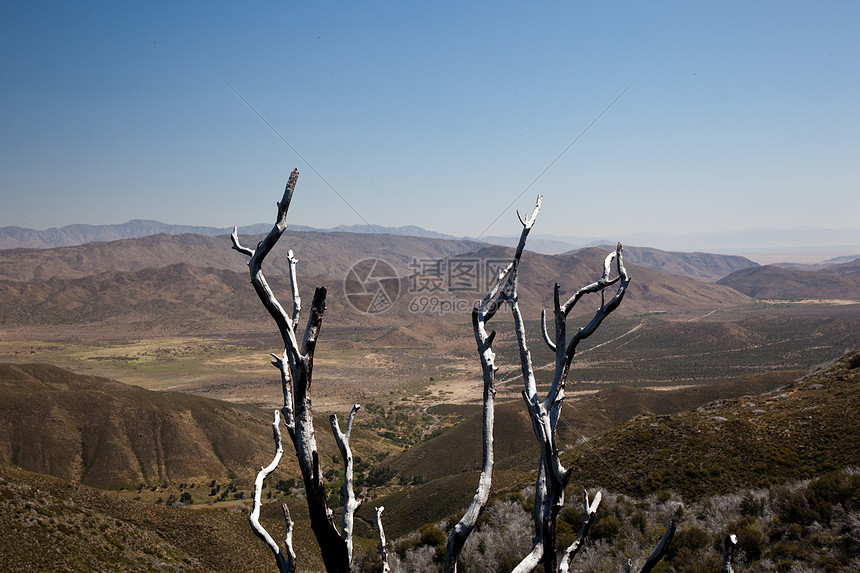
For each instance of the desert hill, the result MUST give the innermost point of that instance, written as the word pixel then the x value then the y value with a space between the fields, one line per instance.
pixel 459 448
pixel 700 266
pixel 746 439
pixel 178 298
pixel 650 290
pixel 320 253
pixel 107 434
pixel 449 463
pixel 840 282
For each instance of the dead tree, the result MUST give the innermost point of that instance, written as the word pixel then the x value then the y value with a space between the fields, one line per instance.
pixel 553 477
pixel 296 368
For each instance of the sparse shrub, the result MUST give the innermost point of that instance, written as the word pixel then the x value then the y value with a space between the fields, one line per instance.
pixel 751 540
pixel 285 485
pixel 605 527
pixel 791 506
pixel 752 505
pixel 689 538
pixel 433 536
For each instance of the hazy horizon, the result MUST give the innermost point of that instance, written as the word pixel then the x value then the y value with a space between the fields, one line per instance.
pixel 765 246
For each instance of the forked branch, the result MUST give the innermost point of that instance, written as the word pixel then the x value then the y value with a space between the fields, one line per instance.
pixel 350 503
pixel 545 413
pixel 570 552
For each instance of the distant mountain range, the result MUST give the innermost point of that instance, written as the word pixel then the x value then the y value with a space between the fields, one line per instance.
pixel 71 235
pixel 187 283
pixel 801 245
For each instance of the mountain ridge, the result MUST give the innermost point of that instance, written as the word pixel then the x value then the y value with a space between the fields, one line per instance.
pixel 803 242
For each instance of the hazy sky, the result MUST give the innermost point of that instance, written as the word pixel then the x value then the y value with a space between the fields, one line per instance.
pixel 740 114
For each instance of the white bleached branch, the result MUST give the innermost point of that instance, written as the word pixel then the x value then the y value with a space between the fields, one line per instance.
pixel 386 568
pixel 350 503
pixel 286 564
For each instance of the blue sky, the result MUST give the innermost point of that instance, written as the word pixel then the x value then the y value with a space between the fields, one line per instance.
pixel 740 114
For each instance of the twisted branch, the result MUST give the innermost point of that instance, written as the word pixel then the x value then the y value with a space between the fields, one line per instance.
pixel 296 367
pixel 285 564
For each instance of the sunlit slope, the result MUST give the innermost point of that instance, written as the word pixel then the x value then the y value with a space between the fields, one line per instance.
pixel 106 434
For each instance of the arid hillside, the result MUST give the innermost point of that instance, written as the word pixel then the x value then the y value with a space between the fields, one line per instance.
pixel 106 434
pixel 835 282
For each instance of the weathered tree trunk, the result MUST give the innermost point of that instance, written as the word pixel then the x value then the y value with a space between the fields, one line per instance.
pixel 296 367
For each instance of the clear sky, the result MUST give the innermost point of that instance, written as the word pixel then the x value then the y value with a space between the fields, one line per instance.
pixel 740 114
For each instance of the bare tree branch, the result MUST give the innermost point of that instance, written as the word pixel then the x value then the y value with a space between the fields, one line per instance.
pixel 350 504
pixel 258 255
pixel 545 332
pixel 486 309
pixel 288 539
pixel 296 366
pixel 285 564
pixel 280 362
pixel 570 552
pixel 386 568
pixel 532 560
pixel 553 477
pixel 294 285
